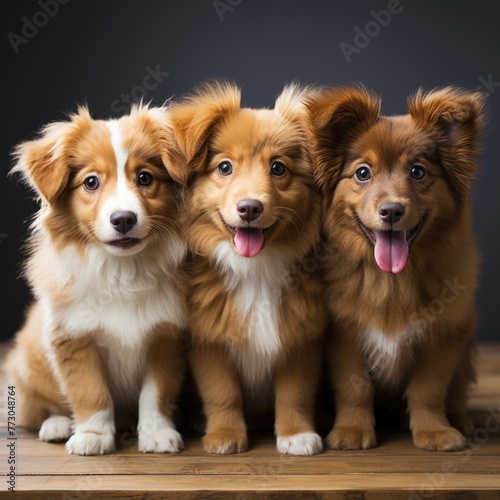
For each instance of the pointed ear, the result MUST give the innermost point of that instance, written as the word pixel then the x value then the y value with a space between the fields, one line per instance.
pixel 338 115
pixel 154 122
pixel 173 158
pixel 44 162
pixel 195 118
pixel 456 118
pixel 291 103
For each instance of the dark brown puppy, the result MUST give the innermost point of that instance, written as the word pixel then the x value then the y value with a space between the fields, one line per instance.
pixel 401 280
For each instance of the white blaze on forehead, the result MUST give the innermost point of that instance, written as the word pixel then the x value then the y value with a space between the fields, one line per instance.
pixel 121 155
pixel 123 197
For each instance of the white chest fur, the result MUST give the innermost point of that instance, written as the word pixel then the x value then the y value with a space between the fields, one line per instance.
pixel 255 304
pixel 257 284
pixel 387 354
pixel 126 367
pixel 122 298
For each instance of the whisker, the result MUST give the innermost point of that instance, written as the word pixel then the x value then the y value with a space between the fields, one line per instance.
pixel 294 212
pixel 287 214
pixel 289 218
pixel 168 220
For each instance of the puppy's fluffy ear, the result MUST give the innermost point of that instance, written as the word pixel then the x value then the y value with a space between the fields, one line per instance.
pixel 155 123
pixel 291 103
pixel 338 115
pixel 456 117
pixel 196 117
pixel 44 162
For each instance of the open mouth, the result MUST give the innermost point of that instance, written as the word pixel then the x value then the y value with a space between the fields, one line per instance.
pixel 391 247
pixel 248 240
pixel 124 243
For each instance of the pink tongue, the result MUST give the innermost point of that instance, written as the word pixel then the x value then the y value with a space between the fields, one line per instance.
pixel 391 251
pixel 248 241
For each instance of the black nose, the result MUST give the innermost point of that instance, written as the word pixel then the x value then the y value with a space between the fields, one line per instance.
pixel 123 222
pixel 249 210
pixel 391 212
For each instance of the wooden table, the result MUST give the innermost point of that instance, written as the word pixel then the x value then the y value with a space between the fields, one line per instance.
pixel 394 470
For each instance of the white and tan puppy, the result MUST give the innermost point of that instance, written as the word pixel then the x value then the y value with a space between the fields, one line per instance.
pixel 104 337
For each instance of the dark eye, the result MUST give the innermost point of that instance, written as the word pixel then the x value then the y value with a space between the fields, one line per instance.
pixel 363 173
pixel 225 168
pixel 278 169
pixel 417 172
pixel 91 183
pixel 144 179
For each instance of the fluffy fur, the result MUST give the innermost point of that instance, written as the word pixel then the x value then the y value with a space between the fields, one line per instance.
pixel 255 327
pixel 105 334
pixel 402 321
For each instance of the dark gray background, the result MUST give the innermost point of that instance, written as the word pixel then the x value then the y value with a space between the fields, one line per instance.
pixel 96 52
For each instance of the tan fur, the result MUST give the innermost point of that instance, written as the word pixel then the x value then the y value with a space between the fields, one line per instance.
pixel 63 372
pixel 212 127
pixel 28 368
pixel 432 364
pixel 83 375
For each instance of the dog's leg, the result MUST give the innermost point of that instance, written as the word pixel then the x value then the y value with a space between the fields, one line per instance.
pixel 354 393
pixel 41 406
pixel 36 411
pixel 427 393
pixel 295 387
pixel 81 373
pixel 39 403
pixel 31 406
pixel 31 410
pixel 158 398
pixel 219 385
pixel 456 400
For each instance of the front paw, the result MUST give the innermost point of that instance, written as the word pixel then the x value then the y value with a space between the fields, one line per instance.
pixel 445 439
pixel 166 440
pixel 303 443
pixel 352 438
pixel 90 443
pixel 55 428
pixel 225 443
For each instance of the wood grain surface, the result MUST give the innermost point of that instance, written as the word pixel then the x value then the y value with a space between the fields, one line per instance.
pixel 394 470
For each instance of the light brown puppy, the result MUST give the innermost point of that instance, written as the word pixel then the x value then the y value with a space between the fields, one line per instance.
pixel 104 337
pixel 252 219
pixel 402 276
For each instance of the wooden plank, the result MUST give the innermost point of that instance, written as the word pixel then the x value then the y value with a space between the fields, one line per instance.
pixel 393 470
pixel 396 455
pixel 411 485
pixel 242 465
pixel 37 458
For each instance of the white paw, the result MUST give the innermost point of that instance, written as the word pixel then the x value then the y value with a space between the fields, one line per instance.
pixel 56 428
pixel 161 441
pixel 90 443
pixel 304 443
